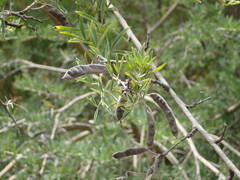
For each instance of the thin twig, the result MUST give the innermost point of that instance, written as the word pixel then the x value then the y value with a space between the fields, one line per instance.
pixel 9 166
pixel 22 15
pixel 227 145
pixel 163 19
pixel 172 158
pixel 228 110
pixel 44 162
pixel 190 134
pixel 4 129
pixel 56 122
pixel 19 131
pixel 196 154
pixel 197 103
pixel 29 7
pixel 73 101
pixel 79 136
pixel 222 135
pixel 159 157
pixel 39 66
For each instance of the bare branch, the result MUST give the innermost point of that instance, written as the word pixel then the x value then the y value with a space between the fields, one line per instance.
pixel 44 162
pixel 4 105
pixel 39 66
pixel 80 136
pixel 125 25
pixel 56 122
pixel 18 26
pixel 159 157
pixel 197 103
pixel 228 110
pixel 10 165
pixel 172 158
pixel 28 8
pixel 73 101
pixel 222 135
pixel 163 19
pixel 4 129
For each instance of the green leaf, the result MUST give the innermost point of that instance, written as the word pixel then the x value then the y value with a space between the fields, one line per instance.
pixel 86 16
pixel 68 33
pixel 66 28
pixel 159 68
pixel 118 37
pixel 75 40
pixel 233 3
pixel 104 34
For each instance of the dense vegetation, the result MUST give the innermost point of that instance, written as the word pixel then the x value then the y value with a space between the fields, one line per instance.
pixel 196 47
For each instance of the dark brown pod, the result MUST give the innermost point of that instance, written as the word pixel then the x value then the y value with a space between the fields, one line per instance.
pixel 119 112
pixel 151 127
pixel 162 103
pixel 120 108
pixel 80 70
pixel 129 152
pixel 57 16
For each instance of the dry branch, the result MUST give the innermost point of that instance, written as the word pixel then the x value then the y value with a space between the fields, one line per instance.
pixel 39 66
pixel 180 103
pixel 56 121
pixel 10 165
pixel 172 158
pixel 228 110
pixel 4 105
pixel 163 19
pixel 158 159
pixel 22 15
pixel 197 103
pixel 6 128
pixel 73 101
pixel 80 136
pixel 44 162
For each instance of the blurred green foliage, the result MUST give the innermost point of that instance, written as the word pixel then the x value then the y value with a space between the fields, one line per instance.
pixel 199 43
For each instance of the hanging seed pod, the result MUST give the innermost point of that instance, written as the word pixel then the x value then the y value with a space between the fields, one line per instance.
pixel 129 152
pixel 151 126
pixel 55 14
pixel 162 103
pixel 120 108
pixel 119 112
pixel 80 70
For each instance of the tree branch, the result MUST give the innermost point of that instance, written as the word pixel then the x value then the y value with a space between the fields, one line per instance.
pixel 163 19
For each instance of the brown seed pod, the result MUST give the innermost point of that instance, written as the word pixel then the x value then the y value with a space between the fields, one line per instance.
pixel 80 70
pixel 56 15
pixel 119 112
pixel 120 108
pixel 129 152
pixel 151 126
pixel 162 103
